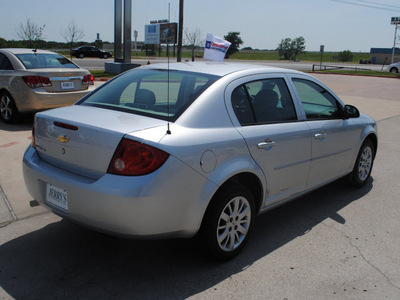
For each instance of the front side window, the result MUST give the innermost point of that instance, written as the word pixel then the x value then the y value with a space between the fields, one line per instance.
pixel 45 60
pixel 263 101
pixel 318 103
pixel 153 93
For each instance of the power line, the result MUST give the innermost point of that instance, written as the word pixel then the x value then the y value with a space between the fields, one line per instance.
pixel 393 8
pixel 381 4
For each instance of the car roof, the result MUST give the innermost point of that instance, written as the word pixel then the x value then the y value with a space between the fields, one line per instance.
pixel 25 50
pixel 216 68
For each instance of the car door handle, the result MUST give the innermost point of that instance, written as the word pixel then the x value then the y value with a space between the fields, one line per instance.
pixel 320 135
pixel 268 143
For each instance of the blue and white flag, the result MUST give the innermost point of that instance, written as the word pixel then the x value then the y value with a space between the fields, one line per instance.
pixel 215 48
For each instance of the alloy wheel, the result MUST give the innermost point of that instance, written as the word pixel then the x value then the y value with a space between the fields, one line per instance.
pixel 6 108
pixel 233 224
pixel 365 163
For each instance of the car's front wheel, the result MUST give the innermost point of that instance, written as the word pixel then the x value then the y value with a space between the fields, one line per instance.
pixel 81 55
pixel 228 221
pixel 363 166
pixel 105 56
pixel 394 70
pixel 8 110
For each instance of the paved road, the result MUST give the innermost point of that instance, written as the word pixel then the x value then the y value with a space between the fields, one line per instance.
pixel 336 243
pixel 98 64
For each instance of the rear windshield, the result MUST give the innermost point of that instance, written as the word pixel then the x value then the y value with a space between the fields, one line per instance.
pixel 155 93
pixel 44 60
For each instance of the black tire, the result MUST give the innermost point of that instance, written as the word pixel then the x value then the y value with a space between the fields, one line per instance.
pixel 105 56
pixel 364 163
pixel 394 70
pixel 228 222
pixel 81 55
pixel 8 110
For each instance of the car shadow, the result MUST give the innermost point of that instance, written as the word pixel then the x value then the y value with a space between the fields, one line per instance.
pixel 24 123
pixel 63 260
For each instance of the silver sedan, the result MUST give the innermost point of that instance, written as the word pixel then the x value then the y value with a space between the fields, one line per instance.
pixel 34 80
pixel 195 148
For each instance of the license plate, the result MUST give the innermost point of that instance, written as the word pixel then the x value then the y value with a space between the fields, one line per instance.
pixel 57 197
pixel 67 85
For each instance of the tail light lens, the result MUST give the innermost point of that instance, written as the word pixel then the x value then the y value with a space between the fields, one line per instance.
pixel 88 79
pixel 36 81
pixel 133 159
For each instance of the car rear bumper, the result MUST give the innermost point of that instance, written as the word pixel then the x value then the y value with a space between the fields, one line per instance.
pixel 167 203
pixel 30 100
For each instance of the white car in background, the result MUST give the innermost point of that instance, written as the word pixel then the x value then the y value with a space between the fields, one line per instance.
pixel 34 80
pixel 394 68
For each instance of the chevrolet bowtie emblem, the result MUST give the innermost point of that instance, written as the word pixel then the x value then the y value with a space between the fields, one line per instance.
pixel 63 138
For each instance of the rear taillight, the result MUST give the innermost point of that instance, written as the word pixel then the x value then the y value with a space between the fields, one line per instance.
pixel 33 135
pixel 36 81
pixel 88 79
pixel 133 158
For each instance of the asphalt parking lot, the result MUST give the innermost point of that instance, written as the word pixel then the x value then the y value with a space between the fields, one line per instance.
pixel 335 243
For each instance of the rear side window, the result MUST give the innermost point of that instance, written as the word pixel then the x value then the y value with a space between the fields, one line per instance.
pixel 156 93
pixel 318 103
pixel 44 60
pixel 263 101
pixel 5 63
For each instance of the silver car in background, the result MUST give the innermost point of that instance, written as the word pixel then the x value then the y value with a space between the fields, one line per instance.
pixel 195 148
pixel 394 68
pixel 34 80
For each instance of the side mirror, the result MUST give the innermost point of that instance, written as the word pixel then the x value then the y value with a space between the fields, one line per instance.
pixel 351 111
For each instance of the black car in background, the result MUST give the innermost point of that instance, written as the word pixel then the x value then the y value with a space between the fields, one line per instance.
pixel 89 51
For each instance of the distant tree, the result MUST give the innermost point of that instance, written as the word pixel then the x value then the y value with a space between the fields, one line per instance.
pixel 30 32
pixel 345 56
pixel 72 33
pixel 193 39
pixel 298 46
pixel 247 48
pixel 290 49
pixel 284 48
pixel 235 40
pixel 3 43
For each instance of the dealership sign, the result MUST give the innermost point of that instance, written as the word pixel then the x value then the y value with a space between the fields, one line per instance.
pixel 160 33
pixel 152 34
pixel 395 20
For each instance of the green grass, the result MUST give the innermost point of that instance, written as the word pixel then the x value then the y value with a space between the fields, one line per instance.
pixel 101 74
pixel 306 56
pixel 360 72
pixel 330 57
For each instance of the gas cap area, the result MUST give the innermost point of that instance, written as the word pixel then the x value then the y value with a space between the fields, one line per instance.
pixel 208 161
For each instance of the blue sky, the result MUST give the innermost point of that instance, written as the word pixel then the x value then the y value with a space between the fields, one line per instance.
pixel 261 23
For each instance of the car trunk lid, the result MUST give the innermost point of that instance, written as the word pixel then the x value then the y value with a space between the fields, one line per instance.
pixel 62 80
pixel 83 139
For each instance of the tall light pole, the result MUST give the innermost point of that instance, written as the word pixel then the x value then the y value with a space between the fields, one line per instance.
pixel 180 31
pixel 395 21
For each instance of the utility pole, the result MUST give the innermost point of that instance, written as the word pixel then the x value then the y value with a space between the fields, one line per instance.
pixel 395 21
pixel 180 31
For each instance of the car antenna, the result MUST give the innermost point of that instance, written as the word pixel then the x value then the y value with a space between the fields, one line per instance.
pixel 168 124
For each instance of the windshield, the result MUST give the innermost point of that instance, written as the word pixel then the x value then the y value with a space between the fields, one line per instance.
pixel 155 93
pixel 45 60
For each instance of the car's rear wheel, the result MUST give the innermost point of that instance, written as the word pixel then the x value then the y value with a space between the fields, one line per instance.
pixel 228 221
pixel 81 55
pixel 394 70
pixel 8 110
pixel 105 56
pixel 363 166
